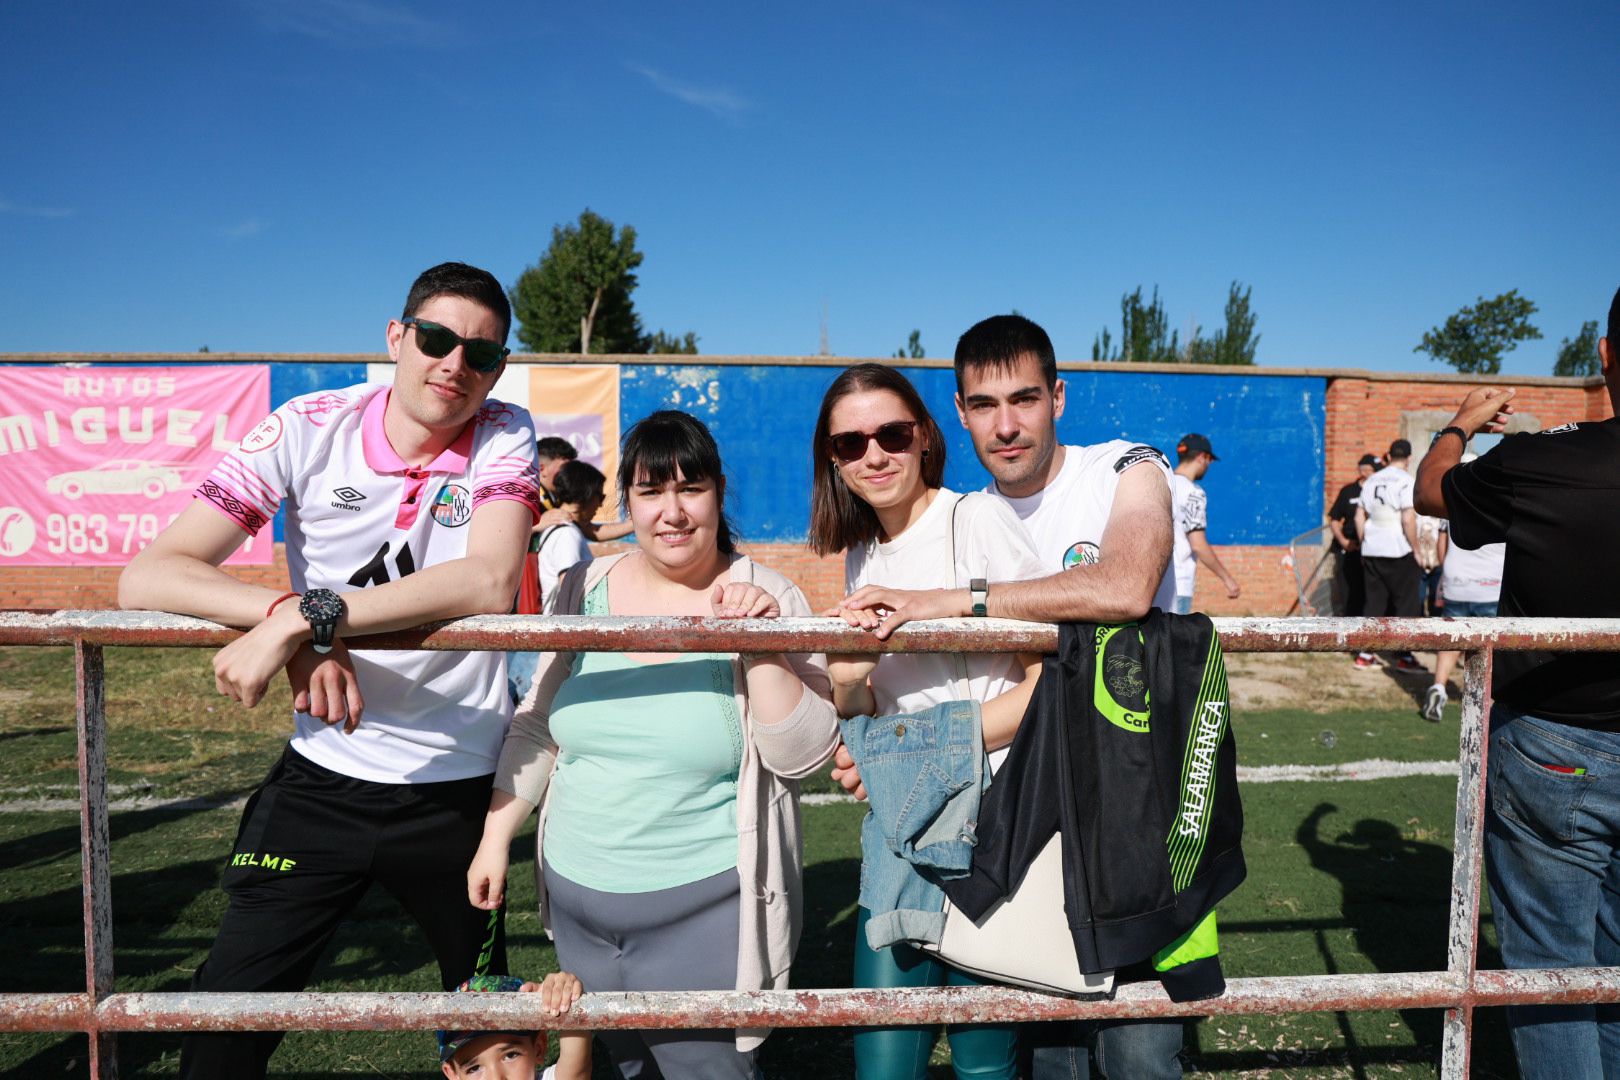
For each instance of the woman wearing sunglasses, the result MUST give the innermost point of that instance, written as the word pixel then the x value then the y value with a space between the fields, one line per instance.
pixel 877 495
pixel 669 850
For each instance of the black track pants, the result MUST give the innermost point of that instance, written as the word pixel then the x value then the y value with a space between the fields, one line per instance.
pixel 311 843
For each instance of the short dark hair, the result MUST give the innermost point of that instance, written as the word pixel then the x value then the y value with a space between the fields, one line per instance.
pixel 999 342
pixel 459 279
pixel 1614 323
pixel 553 447
pixel 578 482
pixel 840 520
pixel 1400 450
pixel 666 443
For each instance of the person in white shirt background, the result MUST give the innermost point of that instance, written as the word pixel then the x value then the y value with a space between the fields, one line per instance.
pixel 1471 585
pixel 1190 505
pixel 1388 527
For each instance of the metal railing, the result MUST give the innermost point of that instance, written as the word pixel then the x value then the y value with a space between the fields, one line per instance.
pixel 1460 989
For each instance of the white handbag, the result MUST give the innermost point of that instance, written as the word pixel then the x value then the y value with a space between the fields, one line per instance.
pixel 1023 939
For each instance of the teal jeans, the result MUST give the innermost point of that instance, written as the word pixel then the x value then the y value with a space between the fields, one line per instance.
pixel 978 1051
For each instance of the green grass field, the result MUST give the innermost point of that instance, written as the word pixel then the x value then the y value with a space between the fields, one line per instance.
pixel 1343 877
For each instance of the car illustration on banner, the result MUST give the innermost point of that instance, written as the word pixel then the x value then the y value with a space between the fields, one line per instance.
pixel 152 479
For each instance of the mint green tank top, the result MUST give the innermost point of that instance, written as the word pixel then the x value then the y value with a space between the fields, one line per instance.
pixel 644 792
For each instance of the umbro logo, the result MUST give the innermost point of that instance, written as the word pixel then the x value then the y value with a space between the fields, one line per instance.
pixel 347 498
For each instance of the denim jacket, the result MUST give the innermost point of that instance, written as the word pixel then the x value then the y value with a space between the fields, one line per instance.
pixel 924 773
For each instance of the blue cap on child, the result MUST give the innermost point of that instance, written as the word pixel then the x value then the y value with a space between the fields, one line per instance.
pixel 451 1041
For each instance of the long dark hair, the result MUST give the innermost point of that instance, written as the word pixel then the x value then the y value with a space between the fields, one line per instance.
pixel 838 518
pixel 668 443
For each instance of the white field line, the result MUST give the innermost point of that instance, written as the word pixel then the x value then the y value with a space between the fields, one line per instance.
pixel 1371 769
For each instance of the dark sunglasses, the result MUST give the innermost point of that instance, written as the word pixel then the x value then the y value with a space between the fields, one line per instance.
pixel 892 438
pixel 437 341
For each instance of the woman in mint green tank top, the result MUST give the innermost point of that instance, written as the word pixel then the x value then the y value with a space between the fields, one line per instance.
pixel 669 845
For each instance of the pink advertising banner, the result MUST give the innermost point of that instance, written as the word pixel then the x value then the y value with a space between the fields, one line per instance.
pixel 94 462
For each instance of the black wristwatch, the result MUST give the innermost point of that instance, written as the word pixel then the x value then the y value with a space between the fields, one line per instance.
pixel 1451 429
pixel 979 590
pixel 323 608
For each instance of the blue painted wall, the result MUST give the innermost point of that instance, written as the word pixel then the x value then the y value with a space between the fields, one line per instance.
pixel 1267 430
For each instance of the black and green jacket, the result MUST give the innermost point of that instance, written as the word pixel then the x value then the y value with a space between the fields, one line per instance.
pixel 1127 750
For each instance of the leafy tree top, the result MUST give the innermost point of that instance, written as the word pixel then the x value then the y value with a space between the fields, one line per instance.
pixel 1474 339
pixel 1579 356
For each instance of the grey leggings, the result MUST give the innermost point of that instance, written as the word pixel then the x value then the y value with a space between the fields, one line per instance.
pixel 683 938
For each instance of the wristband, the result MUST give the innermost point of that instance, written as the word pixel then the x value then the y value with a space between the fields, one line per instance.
pixel 1451 430
pixel 284 596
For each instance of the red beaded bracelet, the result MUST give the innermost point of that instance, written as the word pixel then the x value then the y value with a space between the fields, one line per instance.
pixel 284 596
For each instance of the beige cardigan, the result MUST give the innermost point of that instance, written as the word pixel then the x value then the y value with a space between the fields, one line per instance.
pixel 770 846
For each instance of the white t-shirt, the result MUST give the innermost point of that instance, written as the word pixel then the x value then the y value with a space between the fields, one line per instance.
pixel 990 543
pixel 1066 518
pixel 561 547
pixel 358 516
pixel 1386 493
pixel 1189 508
pixel 1474 577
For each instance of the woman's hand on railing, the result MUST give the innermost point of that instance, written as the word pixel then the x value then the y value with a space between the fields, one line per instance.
pixel 743 600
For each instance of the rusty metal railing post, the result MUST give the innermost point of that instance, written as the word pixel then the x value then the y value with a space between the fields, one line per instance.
pixel 95 849
pixel 1468 858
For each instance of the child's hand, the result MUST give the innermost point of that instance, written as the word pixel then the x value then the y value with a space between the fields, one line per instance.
pixel 558 993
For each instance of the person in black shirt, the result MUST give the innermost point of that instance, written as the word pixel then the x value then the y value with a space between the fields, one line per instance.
pixel 1349 595
pixel 1552 838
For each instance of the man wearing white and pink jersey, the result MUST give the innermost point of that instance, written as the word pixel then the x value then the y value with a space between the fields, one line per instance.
pixel 404 504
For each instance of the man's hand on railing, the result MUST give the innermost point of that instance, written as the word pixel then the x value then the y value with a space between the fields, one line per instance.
pixel 243 669
pixel 883 610
pixel 327 687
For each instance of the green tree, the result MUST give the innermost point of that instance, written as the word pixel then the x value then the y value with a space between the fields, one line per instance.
pixel 1579 356
pixel 1237 342
pixel 1474 339
pixel 577 298
pixel 1145 334
pixel 913 349
pixel 662 343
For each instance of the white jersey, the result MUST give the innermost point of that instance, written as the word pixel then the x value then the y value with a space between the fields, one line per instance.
pixel 358 516
pixel 561 547
pixel 989 543
pixel 1474 577
pixel 1384 496
pixel 1189 512
pixel 1067 517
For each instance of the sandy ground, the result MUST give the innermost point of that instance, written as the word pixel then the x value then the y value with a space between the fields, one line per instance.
pixel 1326 682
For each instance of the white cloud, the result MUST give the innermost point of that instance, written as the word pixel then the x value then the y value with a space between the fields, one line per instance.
pixel 353 22
pixel 244 229
pixel 717 100
pixel 9 207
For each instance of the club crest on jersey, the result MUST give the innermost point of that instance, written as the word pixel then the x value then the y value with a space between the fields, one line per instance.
pixel 1085 553
pixel 264 436
pixel 1138 454
pixel 452 506
pixel 1120 693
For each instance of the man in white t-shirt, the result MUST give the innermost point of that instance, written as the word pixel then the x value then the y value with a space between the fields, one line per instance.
pixel 1388 527
pixel 1190 509
pixel 405 504
pixel 1100 519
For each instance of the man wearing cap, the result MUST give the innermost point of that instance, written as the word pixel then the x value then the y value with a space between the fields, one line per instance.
pixel 1388 528
pixel 1349 589
pixel 1190 505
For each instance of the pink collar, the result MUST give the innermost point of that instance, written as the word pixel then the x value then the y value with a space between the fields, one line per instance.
pixel 381 456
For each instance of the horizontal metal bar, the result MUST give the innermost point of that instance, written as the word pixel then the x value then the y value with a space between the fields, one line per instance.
pixel 788 1008
pixel 671 634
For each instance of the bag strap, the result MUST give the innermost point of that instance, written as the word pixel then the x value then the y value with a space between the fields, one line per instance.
pixel 961 659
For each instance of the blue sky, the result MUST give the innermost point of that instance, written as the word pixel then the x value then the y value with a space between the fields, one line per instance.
pixel 268 176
